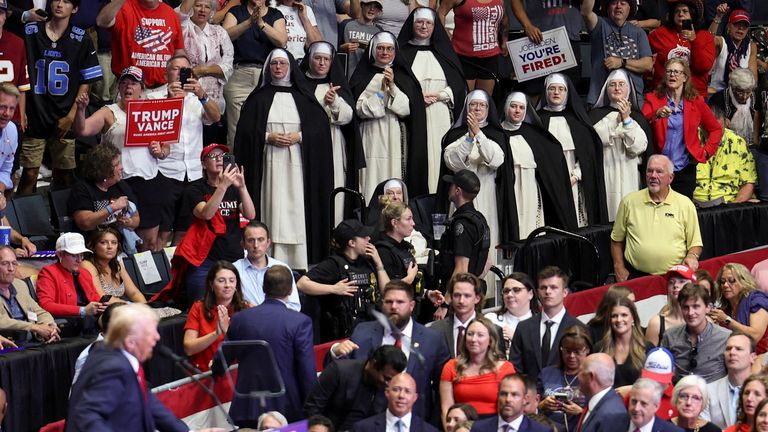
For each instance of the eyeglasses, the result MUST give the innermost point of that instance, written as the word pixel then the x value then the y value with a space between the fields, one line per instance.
pixel 477 104
pixel 672 72
pixel 694 354
pixel 278 63
pixel 730 281
pixel 617 84
pixel 685 397
pixel 576 352
pixel 742 92
pixel 388 49
pixel 217 156
pixel 515 290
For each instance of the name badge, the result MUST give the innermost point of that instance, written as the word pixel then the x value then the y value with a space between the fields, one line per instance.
pixel 31 316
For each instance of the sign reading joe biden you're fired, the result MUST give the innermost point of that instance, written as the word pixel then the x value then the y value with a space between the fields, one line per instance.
pixel 532 60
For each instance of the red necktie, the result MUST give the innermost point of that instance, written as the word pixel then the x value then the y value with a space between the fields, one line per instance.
pixel 581 419
pixel 459 340
pixel 142 382
pixel 399 341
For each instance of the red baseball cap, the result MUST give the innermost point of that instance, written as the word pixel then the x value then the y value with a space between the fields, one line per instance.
pixel 681 270
pixel 211 147
pixel 739 15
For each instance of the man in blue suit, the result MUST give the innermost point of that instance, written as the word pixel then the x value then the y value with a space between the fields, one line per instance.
pixel 605 408
pixel 644 399
pixel 289 334
pixel 425 348
pixel 401 395
pixel 510 403
pixel 111 393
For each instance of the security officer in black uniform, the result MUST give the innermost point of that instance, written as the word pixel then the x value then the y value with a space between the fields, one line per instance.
pixel 467 239
pixel 347 283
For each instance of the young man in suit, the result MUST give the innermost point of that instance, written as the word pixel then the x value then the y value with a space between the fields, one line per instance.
pixel 510 402
pixel 112 393
pixel 604 406
pixel 724 393
pixel 644 400
pixel 401 395
pixel 425 348
pixel 289 334
pixel 535 343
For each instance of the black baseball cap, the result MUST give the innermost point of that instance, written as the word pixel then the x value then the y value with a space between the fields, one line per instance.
pixel 349 229
pixel 465 179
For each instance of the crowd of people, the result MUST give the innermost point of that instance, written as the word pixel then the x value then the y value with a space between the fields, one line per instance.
pixel 283 103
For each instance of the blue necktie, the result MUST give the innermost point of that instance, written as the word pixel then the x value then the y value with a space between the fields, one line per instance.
pixel 400 426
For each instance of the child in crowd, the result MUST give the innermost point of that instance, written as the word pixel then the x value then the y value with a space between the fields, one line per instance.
pixel 356 33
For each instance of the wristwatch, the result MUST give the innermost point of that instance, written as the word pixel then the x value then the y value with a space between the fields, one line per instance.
pixel 728 322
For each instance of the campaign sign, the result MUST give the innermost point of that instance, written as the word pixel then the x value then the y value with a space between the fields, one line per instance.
pixel 532 60
pixel 153 120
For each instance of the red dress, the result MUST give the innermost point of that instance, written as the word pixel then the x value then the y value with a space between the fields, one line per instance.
pixel 479 390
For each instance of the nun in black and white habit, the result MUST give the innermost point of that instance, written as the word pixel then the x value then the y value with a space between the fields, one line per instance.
pixel 624 133
pixel 477 143
pixel 542 187
pixel 326 80
pixel 390 106
pixel 290 182
pixel 563 114
pixel 427 50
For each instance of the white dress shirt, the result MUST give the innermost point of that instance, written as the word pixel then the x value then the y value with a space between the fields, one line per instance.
pixel 594 401
pixel 647 428
pixel 456 325
pixel 252 282
pixel 392 422
pixel 406 336
pixel 557 319
pixel 514 425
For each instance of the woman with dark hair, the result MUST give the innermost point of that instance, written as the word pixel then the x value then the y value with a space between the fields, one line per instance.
pixel 601 322
pixel 558 385
pixel 542 188
pixel 390 106
pixel 101 198
pixel 518 300
pixel 680 38
pixel 743 307
pixel 476 143
pixel 396 253
pixel 473 376
pixel 676 112
pixel 428 52
pixel 109 276
pixel 624 342
pixel 753 392
pixel 209 318
pixel 563 114
pixel 705 279
pixel 288 156
pixel 459 413
pixel 761 418
pixel 326 80
pixel 624 133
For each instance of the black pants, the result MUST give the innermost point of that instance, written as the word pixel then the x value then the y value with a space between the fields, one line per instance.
pixel 685 180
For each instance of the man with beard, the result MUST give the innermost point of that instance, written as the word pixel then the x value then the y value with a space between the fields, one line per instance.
pixel 425 348
pixel 510 403
pixel 644 217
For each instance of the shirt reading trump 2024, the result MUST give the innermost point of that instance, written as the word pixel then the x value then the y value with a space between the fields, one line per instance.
pixel 147 39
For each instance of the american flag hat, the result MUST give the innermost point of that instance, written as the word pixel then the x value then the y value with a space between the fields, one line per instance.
pixel 131 72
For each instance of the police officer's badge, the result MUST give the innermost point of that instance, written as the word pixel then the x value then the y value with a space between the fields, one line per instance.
pixel 459 228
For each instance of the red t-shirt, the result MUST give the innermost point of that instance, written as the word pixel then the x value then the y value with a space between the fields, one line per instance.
pixel 477 28
pixel 480 390
pixel 147 39
pixel 196 321
pixel 13 65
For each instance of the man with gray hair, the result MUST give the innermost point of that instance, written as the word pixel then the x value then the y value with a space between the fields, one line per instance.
pixel 644 217
pixel 644 399
pixel 604 406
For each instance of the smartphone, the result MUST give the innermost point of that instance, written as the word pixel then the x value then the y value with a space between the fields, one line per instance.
pixel 184 75
pixel 229 159
pixel 688 25
pixel 105 298
pixel 561 397
pixel 42 13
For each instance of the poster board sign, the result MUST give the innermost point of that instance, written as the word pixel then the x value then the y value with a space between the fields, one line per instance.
pixel 553 54
pixel 153 120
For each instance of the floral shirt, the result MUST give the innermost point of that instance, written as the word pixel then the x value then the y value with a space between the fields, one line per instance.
pixel 727 171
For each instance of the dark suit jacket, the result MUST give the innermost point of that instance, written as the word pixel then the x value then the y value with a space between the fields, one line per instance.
pixel 609 412
pixel 342 396
pixel 378 423
pixel 429 343
pixel 525 352
pixel 491 424
pixel 108 397
pixel 289 334
pixel 659 425
pixel 445 328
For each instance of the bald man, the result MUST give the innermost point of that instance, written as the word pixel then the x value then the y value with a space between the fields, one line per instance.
pixel 605 407
pixel 401 395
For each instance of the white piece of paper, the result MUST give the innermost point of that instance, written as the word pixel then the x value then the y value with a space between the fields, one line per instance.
pixel 169 251
pixel 532 60
pixel 147 267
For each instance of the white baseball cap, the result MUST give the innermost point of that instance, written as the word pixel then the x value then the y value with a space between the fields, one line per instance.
pixel 72 243
pixel 659 365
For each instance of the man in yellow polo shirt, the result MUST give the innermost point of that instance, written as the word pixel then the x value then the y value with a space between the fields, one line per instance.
pixel 655 228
